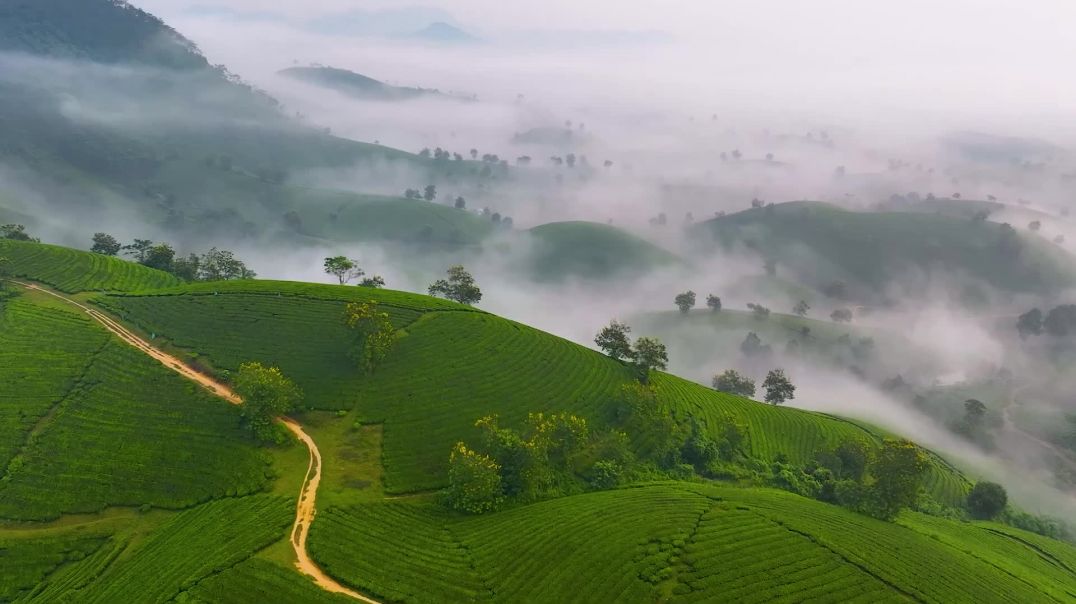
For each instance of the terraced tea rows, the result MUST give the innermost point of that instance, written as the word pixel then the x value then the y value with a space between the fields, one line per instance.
pixel 27 562
pixel 257 580
pixel 73 271
pixel 43 353
pixel 192 546
pixel 126 432
pixel 682 542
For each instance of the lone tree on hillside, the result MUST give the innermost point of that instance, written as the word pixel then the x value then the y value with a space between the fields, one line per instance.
pixel 752 346
pixel 759 311
pixel 161 257
pixel 429 193
pixel 986 500
pixel 648 354
pixel 801 308
pixel 343 268
pixel 374 334
pixel 898 472
pixel 459 286
pixel 266 395
pixel 714 302
pixel 734 382
pixel 376 282
pixel 778 387
pixel 1034 225
pixel 841 315
pixel 613 339
pixel 1029 323
pixel 461 203
pixel 106 244
pixel 685 301
pixel 138 249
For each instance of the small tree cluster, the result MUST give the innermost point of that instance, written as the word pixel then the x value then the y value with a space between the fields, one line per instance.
pixel 734 382
pixel 460 286
pixel 758 311
pixel 646 354
pixel 16 232
pixel 685 301
pixel 714 302
pixel 474 481
pixel 267 394
pixel 374 334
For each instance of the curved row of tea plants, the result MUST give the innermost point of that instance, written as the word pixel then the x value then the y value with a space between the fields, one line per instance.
pixel 74 271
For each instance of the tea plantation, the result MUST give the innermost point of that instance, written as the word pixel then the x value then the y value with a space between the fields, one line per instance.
pixel 73 271
pixel 682 542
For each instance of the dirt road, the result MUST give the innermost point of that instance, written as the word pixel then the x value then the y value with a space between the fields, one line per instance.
pixel 305 509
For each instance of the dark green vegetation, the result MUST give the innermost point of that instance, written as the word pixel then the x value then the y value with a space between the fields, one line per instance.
pixel 356 85
pixel 589 250
pixel 823 244
pixel 71 271
pixel 684 542
pixel 449 367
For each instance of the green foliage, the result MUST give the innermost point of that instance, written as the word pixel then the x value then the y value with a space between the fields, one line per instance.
pixel 897 474
pixel 685 301
pixel 15 232
pixel 343 268
pixel 88 422
pixel 258 580
pixel 986 500
pixel 733 382
pixel 459 286
pixel 778 387
pixel 714 302
pixel 474 481
pixel 29 561
pixel 605 474
pixel 649 354
pixel 374 333
pixel 592 251
pixel 614 340
pixel 106 244
pixel 73 271
pixel 267 394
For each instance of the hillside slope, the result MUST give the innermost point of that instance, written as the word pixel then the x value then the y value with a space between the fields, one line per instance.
pixel 871 251
pixel 590 250
pixel 355 84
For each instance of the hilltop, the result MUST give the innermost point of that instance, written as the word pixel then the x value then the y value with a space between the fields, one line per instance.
pixel 590 250
pixel 822 244
pixel 212 522
pixel 357 85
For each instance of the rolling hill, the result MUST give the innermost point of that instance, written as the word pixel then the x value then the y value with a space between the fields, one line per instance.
pixel 873 251
pixel 589 250
pixel 357 85
pixel 176 503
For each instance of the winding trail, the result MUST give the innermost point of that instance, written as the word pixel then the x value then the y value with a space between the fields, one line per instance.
pixel 305 508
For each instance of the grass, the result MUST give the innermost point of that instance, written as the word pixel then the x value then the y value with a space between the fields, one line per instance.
pixel 90 422
pixel 28 562
pixel 73 271
pixel 589 250
pixel 448 369
pixel 678 542
pixel 870 250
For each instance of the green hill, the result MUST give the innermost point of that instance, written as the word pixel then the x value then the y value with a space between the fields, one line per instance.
pixel 357 85
pixel 869 251
pixel 161 496
pixel 589 250
pixel 72 271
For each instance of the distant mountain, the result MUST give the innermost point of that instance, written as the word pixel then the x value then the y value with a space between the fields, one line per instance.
pixel 443 33
pixel 355 84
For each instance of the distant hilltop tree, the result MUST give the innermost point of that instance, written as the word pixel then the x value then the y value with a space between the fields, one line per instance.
pixel 460 286
pixel 16 232
pixel 613 339
pixel 841 315
pixel 685 301
pixel 105 244
pixel 461 203
pixel 778 387
pixel 734 382
pixel 714 302
pixel 801 308
pixel 343 268
pixel 429 193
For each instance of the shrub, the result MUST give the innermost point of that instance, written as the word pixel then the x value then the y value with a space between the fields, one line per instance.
pixel 605 474
pixel 986 500
pixel 474 481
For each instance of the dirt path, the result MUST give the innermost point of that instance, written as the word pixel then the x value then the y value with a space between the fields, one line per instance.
pixel 305 509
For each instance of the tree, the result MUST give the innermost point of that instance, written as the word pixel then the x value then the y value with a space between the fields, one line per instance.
pixel 429 193
pixel 801 308
pixel 374 334
pixel 160 257
pixel 459 286
pixel 759 311
pixel 685 301
pixel 139 248
pixel 474 153
pixel 1034 225
pixel 986 500
pixel 376 282
pixel 734 382
pixel 343 268
pixel 461 203
pixel 974 412
pixel 778 387
pixel 841 315
pixel 474 481
pixel 187 268
pixel 897 472
pixel 752 346
pixel 267 394
pixel 222 265
pixel 714 302
pixel 648 354
pixel 613 339
pixel 16 232
pixel 1029 323
pixel 106 244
